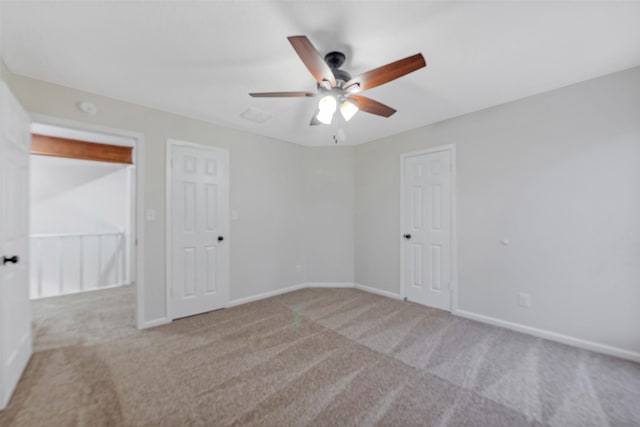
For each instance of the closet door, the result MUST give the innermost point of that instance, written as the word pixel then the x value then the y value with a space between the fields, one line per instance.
pixel 427 228
pixel 199 229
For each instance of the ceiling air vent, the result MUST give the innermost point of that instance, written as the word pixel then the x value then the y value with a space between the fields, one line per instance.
pixel 255 115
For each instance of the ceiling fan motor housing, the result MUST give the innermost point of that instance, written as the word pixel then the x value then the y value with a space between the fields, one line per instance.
pixel 335 60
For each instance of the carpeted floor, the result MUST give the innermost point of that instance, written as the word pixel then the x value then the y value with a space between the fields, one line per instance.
pixel 320 357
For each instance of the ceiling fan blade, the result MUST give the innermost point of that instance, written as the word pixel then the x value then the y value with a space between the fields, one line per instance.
pixel 312 59
pixel 385 74
pixel 280 94
pixel 371 106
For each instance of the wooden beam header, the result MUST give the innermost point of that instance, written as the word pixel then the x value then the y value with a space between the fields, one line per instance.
pixel 70 148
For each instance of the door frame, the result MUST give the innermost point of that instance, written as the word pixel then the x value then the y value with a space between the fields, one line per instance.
pixel 451 148
pixel 136 219
pixel 170 143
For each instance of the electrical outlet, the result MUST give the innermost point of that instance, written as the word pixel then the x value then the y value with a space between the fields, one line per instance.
pixel 524 300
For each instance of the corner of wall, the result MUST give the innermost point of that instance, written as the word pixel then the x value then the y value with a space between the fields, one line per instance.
pixel 4 70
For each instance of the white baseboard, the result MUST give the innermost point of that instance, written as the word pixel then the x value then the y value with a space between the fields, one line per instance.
pixel 264 295
pixel 344 285
pixel 156 322
pixel 377 291
pixel 553 336
pixel 245 300
pixel 369 289
pixel 542 333
pixel 328 285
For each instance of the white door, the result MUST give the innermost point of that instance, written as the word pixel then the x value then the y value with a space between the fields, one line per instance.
pixel 199 229
pixel 15 307
pixel 426 228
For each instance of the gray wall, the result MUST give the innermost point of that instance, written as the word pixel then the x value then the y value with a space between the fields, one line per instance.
pixel 328 221
pixel 272 185
pixel 4 71
pixel 558 174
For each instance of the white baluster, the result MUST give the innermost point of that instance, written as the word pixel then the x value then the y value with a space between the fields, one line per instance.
pixel 99 282
pixel 39 268
pixel 61 264
pixel 81 262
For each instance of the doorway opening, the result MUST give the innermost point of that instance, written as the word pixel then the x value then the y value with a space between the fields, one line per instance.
pixel 82 229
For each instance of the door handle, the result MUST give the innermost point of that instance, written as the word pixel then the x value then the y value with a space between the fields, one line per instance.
pixel 220 238
pixel 14 259
pixel 407 236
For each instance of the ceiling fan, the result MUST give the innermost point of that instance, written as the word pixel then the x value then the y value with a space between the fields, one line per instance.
pixel 338 88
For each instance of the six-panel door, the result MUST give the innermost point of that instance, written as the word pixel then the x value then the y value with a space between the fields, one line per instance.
pixel 199 230
pixel 426 214
pixel 15 307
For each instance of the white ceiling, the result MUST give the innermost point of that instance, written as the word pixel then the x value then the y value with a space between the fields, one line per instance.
pixel 200 59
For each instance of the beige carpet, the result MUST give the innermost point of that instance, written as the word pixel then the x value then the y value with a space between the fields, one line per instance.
pixel 319 357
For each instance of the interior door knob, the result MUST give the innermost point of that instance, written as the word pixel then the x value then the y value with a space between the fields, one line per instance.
pixel 407 236
pixel 220 238
pixel 14 259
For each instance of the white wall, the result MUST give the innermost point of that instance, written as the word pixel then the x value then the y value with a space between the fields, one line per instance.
pixel 269 185
pixel 328 219
pixel 267 191
pixel 558 174
pixel 3 70
pixel 78 196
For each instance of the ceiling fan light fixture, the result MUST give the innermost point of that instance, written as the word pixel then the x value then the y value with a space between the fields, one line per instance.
pixel 327 107
pixel 348 110
pixel 338 88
